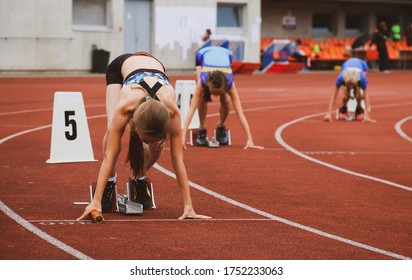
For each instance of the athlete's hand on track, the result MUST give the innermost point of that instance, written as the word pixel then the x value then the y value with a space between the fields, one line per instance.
pixel 369 120
pixel 327 118
pixel 184 141
pixel 94 205
pixel 189 213
pixel 250 145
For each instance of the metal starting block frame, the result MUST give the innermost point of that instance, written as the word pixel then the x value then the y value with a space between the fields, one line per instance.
pixel 123 202
pixel 351 105
pixel 125 205
pixel 214 143
pixel 211 144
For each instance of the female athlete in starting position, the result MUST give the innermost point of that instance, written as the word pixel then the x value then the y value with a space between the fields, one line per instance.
pixel 139 93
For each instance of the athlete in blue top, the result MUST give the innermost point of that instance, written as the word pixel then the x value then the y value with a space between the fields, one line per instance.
pixel 352 77
pixel 215 77
pixel 354 63
pixel 214 59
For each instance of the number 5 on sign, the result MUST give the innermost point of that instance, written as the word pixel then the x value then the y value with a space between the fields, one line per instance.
pixel 70 137
pixel 72 122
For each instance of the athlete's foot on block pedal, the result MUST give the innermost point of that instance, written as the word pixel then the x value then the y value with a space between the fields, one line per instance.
pixel 342 113
pixel 222 135
pixel 201 139
pixel 142 193
pixel 360 113
pixel 109 197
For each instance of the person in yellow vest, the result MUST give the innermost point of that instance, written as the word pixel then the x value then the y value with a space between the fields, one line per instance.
pixel 396 31
pixel 316 50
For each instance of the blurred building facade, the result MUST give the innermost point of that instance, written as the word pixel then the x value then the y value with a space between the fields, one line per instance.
pixel 51 35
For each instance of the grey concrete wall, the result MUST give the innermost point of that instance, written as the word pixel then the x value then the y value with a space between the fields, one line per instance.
pixel 177 38
pixel 39 35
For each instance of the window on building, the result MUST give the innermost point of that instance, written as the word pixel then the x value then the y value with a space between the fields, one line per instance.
pixel 323 25
pixel 354 25
pixel 90 14
pixel 229 15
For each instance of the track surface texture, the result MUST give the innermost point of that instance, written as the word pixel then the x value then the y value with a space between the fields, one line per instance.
pixel 318 191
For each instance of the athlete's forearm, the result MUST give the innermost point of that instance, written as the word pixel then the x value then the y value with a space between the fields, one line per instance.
pixel 176 153
pixel 367 104
pixel 332 100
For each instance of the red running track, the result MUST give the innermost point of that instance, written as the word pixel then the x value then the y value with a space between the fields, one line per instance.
pixel 339 190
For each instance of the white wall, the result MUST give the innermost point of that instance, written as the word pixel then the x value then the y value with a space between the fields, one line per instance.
pixel 177 38
pixel 38 35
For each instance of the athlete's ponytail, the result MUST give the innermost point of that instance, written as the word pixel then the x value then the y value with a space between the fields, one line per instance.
pixel 151 118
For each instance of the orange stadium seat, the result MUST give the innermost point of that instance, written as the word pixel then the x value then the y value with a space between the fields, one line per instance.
pixel 334 50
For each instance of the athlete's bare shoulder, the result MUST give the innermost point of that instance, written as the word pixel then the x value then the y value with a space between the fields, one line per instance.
pixel 129 98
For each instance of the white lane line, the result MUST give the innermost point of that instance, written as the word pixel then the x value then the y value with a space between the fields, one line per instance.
pixel 24 111
pixel 42 110
pixel 27 225
pixel 210 115
pixel 282 220
pixel 338 152
pixel 23 132
pixel 71 251
pixel 399 129
pixel 143 220
pixel 270 108
pixel 38 128
pixel 353 153
pixel 279 139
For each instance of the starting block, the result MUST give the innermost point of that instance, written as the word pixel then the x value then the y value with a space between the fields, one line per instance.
pixel 210 143
pixel 213 144
pixel 350 115
pixel 229 138
pixel 351 107
pixel 193 135
pixel 125 205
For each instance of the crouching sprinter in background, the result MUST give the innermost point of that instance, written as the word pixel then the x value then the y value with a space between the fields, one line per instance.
pixel 353 79
pixel 215 78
